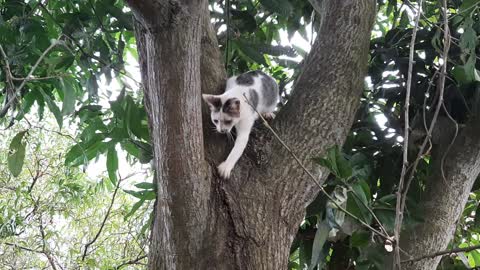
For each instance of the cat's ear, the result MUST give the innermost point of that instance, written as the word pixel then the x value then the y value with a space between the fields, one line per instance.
pixel 232 107
pixel 214 102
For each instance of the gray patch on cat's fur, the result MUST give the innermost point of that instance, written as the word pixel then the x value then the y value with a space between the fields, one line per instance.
pixel 245 79
pixel 269 91
pixel 215 103
pixel 232 107
pixel 253 98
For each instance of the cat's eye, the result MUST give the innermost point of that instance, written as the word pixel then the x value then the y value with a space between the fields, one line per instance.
pixel 215 121
pixel 228 122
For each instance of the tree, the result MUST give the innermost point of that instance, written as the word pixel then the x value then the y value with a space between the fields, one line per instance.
pixel 257 219
pixel 249 221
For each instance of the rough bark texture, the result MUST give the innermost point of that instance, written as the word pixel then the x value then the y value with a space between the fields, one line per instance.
pixel 249 221
pixel 170 63
pixel 445 199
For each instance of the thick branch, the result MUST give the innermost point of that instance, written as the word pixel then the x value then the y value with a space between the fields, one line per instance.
pixel 269 191
pixel 169 53
pixel 445 198
pixel 443 253
pixel 327 93
pixel 158 13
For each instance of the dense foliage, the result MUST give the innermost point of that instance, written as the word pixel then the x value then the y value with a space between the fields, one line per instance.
pixel 78 59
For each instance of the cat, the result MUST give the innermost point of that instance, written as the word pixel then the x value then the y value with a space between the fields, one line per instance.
pixel 231 109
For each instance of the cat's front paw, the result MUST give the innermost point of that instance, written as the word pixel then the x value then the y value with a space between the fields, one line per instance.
pixel 225 169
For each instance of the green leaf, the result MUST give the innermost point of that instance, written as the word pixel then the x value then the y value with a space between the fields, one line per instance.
pixel 360 239
pixel 16 154
pixel 135 207
pixel 356 202
pixel 282 7
pixel 65 62
pixel 69 96
pixel 320 237
pixel 468 40
pixel 92 86
pixel 477 218
pixel 144 195
pixel 467 7
pixel 404 20
pixel 112 164
pixel 53 108
pixel 249 51
pixel 467 73
pixel 336 163
pixel 145 185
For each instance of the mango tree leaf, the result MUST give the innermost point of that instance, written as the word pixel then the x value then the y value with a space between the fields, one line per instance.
pixel 69 96
pixel 145 185
pixel 404 20
pixel 250 52
pixel 282 7
pixel 360 239
pixel 467 7
pixel 134 208
pixel 144 195
pixel 16 154
pixel 53 108
pixel 112 164
pixel 356 202
pixel 318 242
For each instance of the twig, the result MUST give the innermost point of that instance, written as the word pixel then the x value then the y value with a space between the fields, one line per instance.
pixel 40 78
pixel 19 89
pixel 79 46
pixel 441 86
pixel 443 253
pixel 442 161
pixel 312 177
pixel 22 247
pixel 399 210
pixel 9 78
pixel 133 261
pixel 371 212
pixel 103 222
pixel 106 215
pixel 44 246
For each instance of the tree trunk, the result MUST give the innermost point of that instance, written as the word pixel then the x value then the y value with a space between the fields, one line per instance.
pixel 444 199
pixel 249 221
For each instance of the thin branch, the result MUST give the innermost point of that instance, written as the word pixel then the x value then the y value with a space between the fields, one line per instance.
pixel 22 84
pixel 371 212
pixel 130 262
pixel 441 86
pixel 103 222
pixel 79 46
pixel 399 210
pixel 312 177
pixel 442 161
pixel 442 253
pixel 40 78
pixel 44 246
pixel 22 247
pixel 106 216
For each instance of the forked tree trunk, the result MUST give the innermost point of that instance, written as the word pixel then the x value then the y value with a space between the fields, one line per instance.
pixel 445 198
pixel 249 221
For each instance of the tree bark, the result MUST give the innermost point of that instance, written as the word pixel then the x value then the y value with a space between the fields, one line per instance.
pixel 250 220
pixel 444 199
pixel 169 37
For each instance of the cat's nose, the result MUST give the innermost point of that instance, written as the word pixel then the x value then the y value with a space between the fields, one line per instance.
pixel 224 130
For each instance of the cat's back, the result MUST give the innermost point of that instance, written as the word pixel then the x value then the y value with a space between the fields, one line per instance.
pixel 256 83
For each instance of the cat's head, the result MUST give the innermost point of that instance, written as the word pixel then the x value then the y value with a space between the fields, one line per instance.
pixel 225 112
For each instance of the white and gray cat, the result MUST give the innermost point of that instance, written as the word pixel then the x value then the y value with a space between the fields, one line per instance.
pixel 230 109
